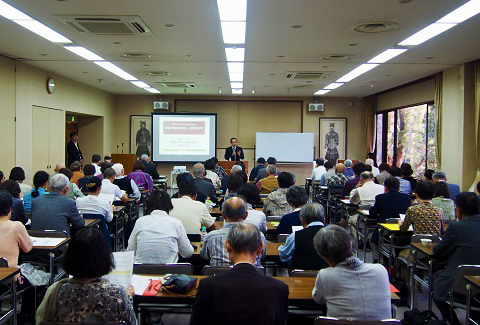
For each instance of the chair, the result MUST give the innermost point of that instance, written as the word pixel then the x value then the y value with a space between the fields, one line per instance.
pixel 335 321
pixel 397 241
pixel 214 270
pixel 103 226
pixel 171 268
pixel 274 218
pixel 47 233
pixel 3 262
pixel 58 323
pixel 303 273
pixel 194 238
pixel 282 238
pixel 460 289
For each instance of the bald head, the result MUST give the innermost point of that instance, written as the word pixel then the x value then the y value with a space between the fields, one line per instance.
pixel 339 168
pixel 234 209
pixel 58 167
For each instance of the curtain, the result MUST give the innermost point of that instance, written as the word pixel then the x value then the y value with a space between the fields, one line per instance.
pixel 477 122
pixel 370 123
pixel 438 118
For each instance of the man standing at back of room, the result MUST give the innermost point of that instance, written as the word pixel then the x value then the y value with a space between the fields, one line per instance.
pixel 73 149
pixel 234 153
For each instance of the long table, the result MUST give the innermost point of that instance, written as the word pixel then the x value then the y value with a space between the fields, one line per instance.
pixel 270 226
pixel 7 275
pixel 272 250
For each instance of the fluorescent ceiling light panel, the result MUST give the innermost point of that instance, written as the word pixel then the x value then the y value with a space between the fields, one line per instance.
pixel 12 13
pixel 115 70
pixel 237 91
pixel 334 85
pixel 235 54
pixel 232 10
pixel 235 67
pixel 387 55
pixel 426 34
pixel 236 84
pixel 140 84
pixel 84 53
pixel 357 72
pixel 236 76
pixel 42 30
pixel 152 90
pixel 233 32
pixel 322 92
pixel 462 13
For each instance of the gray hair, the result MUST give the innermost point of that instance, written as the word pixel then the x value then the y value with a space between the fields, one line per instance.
pixel 439 175
pixel 118 168
pixel 58 182
pixel 271 169
pixel 234 214
pixel 198 170
pixel 297 196
pixel 348 163
pixel 235 168
pixel 144 157
pixel 333 243
pixel 366 175
pixel 312 212
pixel 369 161
pixel 244 238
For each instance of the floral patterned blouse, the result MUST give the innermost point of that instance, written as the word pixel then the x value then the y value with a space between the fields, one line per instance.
pixel 426 219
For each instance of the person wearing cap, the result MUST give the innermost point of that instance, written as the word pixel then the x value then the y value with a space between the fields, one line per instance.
pixel 319 169
pixel 124 183
pixel 92 204
pixel 76 168
pixel 348 168
pixel 454 189
pixel 254 172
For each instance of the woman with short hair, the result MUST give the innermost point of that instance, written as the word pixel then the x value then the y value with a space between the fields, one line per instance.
pixel 141 178
pixel 442 201
pixel 17 174
pixel 252 196
pixel 350 288
pixel 18 211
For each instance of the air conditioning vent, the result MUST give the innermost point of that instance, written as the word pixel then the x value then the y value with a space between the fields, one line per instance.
pixel 308 75
pixel 106 25
pixel 177 85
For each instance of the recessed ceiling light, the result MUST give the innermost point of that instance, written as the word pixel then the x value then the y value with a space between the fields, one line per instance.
pixel 140 84
pixel 152 90
pixel 232 10
pixel 157 73
pixel 386 55
pixel 253 90
pixel 237 85
pixel 462 13
pixel 235 67
pixel 235 54
pixel 236 76
pixel 322 92
pixel 357 72
pixel 233 32
pixel 169 25
pixel 297 26
pixel 83 52
pixel 219 90
pixel 333 85
pixel 134 55
pixel 42 30
pixel 237 91
pixel 372 27
pixel 426 34
pixel 337 57
pixel 12 13
pixel 115 70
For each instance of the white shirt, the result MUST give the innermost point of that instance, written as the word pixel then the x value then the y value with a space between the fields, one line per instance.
pixel 366 194
pixel 110 188
pixel 192 214
pixel 25 188
pixel 214 178
pixel 92 204
pixel 375 171
pixel 158 238
pixel 257 218
pixel 317 173
pixel 136 191
pixel 98 171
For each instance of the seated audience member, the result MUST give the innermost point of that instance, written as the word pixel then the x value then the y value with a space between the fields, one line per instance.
pixel 268 184
pixel 125 184
pixel 338 285
pixel 40 183
pixel 14 235
pixel 442 200
pixel 297 197
pixel 262 173
pixel 92 204
pixel 454 189
pixel 252 196
pixel 234 211
pixel 298 250
pixel 276 202
pixel 366 191
pixel 319 169
pixel 254 171
pixel 108 187
pixel 348 169
pixel 339 179
pixel 407 173
pixel 204 187
pixel 106 160
pixel 76 168
pixel 241 295
pixel 428 175
pixel 330 171
pixel 218 169
pixel 224 181
pixel 17 174
pixel 242 164
pixel 142 179
pixel 87 297
pixel 2 177
pixel 358 168
pixel 96 163
pixel 89 171
pixel 73 190
pixel 375 170
pixel 405 186
pixel 58 167
pixel 150 168
pixel 193 214
pixel 243 175
pixel 426 218
pixel 158 238
pixel 384 174
pixel 210 174
pixel 235 181
pixel 55 211
pixel 18 211
pixel 185 179
pixel 460 245
pixel 103 167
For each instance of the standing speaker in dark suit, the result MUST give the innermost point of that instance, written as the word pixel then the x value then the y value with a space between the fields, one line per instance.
pixel 73 149
pixel 234 153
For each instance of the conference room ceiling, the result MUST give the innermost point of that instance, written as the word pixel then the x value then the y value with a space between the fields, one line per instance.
pixel 193 50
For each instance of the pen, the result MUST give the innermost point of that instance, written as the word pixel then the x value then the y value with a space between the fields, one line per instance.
pixel 150 285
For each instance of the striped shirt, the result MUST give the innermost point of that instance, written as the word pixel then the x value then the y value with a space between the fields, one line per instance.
pixel 142 180
pixel 214 248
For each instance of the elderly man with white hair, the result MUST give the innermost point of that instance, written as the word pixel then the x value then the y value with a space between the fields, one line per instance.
pixel 375 170
pixel 150 168
pixel 125 184
pixel 201 184
pixel 55 211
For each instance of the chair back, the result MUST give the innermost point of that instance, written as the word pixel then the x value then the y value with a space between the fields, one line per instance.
pixel 334 321
pixel 282 238
pixel 264 196
pixel 392 220
pixel 214 270
pixel 194 238
pixel 172 268
pixel 303 273
pixel 47 233
pixel 103 226
pixel 274 218
pixel 335 190
pixel 418 238
pixel 60 323
pixel 460 283
pixel 3 262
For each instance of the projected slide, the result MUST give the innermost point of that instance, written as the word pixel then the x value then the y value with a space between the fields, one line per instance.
pixel 183 137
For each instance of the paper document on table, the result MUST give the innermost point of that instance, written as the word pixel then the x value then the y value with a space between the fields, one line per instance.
pixel 296 228
pixel 107 197
pixel 402 217
pixel 364 212
pixel 346 201
pixel 46 241
pixel 122 274
pixel 141 282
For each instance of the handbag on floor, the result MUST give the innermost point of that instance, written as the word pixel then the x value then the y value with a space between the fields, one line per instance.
pixel 417 317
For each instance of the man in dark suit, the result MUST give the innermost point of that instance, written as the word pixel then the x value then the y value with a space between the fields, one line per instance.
pixel 460 245
pixel 150 168
pixel 73 149
pixel 454 189
pixel 241 295
pixel 234 153
pixel 201 184
pixel 297 197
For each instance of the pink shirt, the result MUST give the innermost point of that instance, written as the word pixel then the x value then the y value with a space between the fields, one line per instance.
pixel 13 236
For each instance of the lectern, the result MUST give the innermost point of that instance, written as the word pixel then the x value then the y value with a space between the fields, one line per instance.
pixel 227 165
pixel 127 160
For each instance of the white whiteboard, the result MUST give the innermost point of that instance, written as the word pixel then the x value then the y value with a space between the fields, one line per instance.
pixel 285 147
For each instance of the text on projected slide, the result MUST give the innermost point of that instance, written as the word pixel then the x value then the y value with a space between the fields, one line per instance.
pixel 184 137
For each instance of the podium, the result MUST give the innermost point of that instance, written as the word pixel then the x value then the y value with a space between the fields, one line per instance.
pixel 127 160
pixel 227 165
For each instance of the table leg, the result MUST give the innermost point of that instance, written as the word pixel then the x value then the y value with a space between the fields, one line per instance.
pixel 13 292
pixel 52 269
pixel 365 243
pixel 430 272
pixel 469 296
pixel 390 254
pixel 412 279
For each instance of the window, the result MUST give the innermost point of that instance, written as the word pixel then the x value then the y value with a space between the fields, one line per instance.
pixel 407 135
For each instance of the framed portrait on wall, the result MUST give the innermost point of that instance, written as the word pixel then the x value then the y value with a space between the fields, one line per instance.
pixel 141 135
pixel 333 138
